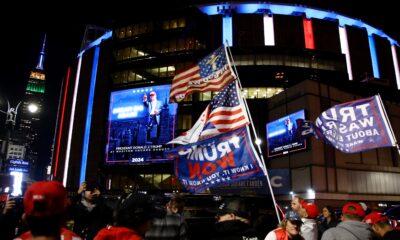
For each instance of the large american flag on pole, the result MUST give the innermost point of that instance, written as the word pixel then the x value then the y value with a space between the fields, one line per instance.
pixel 224 113
pixel 212 73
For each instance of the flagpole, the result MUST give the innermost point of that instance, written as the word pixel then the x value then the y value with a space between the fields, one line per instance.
pixel 227 50
pixel 388 123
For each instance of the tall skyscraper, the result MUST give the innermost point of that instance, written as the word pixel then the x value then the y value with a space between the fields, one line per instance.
pixel 29 124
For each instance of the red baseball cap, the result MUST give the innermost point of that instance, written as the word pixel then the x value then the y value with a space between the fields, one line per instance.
pixel 45 198
pixel 311 208
pixel 375 217
pixel 353 208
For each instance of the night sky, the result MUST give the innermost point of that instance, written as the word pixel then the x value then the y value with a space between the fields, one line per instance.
pixel 22 36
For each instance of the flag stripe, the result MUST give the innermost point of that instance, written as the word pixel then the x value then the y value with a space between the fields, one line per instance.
pixel 212 70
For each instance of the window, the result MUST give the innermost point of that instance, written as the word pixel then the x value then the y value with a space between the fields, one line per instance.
pixel 184 121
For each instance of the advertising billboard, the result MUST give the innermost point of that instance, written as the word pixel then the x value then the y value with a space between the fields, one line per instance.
pixel 140 123
pixel 281 135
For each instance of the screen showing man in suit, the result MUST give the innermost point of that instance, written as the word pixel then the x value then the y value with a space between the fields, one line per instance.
pixel 140 123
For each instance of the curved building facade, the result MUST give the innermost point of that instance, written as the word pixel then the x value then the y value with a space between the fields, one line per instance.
pixel 288 58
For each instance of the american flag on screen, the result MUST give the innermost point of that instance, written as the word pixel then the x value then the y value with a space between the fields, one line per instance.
pixel 212 73
pixel 224 113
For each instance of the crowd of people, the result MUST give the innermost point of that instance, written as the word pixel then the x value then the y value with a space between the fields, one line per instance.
pixel 49 214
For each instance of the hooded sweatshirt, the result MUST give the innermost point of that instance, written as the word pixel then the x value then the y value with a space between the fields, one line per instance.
pixel 348 230
pixel 309 229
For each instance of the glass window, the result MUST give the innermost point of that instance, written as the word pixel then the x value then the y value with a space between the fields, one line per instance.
pixel 135 30
pixel 181 22
pixel 173 23
pixel 125 53
pixel 205 96
pixel 165 25
pixel 121 33
pixel 129 31
pixel 163 72
pixel 184 121
pixel 171 71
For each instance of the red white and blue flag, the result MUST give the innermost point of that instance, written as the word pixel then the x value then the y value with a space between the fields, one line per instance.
pixel 212 73
pixel 224 113
pixel 353 126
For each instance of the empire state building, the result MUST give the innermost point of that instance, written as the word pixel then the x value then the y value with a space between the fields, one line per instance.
pixel 29 125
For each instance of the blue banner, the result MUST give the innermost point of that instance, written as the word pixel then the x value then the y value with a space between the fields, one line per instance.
pixel 223 159
pixel 356 126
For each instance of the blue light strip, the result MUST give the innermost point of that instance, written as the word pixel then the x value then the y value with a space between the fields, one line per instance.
pixel 89 114
pixel 249 8
pixel 374 57
pixel 227 30
pixel 96 42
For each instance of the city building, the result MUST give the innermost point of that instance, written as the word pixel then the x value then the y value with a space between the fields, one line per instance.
pixel 27 132
pixel 289 58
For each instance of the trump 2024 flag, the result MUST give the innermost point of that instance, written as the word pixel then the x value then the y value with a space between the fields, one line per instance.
pixel 226 158
pixel 212 73
pixel 356 126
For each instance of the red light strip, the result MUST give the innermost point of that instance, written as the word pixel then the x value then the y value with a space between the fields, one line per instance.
pixel 61 122
pixel 308 33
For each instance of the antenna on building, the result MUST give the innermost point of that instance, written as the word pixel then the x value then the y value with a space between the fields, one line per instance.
pixel 41 56
pixel 92 32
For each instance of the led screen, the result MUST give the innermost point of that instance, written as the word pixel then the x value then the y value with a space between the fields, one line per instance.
pixel 281 135
pixel 140 123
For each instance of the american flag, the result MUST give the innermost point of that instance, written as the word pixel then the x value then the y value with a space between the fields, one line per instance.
pixel 224 113
pixel 212 73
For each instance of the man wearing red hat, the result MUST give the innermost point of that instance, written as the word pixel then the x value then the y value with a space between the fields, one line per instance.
pixel 309 229
pixel 351 227
pixel 381 226
pixel 45 205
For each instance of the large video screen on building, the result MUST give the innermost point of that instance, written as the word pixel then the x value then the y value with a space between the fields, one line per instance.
pixel 281 135
pixel 140 123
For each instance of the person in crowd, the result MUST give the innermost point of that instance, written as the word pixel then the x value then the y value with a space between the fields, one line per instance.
pixel 45 206
pixel 289 228
pixel 296 203
pixel 381 226
pixel 90 213
pixel 367 210
pixel 233 221
pixel 351 226
pixel 133 217
pixel 173 225
pixel 329 220
pixel 309 228
pixel 8 217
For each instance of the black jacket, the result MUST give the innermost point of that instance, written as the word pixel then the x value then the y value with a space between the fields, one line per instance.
pixel 234 230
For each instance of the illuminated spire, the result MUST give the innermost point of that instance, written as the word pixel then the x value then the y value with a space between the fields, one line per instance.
pixel 41 56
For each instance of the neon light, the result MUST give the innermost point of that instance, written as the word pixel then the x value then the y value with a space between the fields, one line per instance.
pixel 269 35
pixel 374 57
pixel 96 42
pixel 89 114
pixel 227 30
pixel 396 66
pixel 295 10
pixel 61 122
pixel 71 122
pixel 308 33
pixel 344 45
